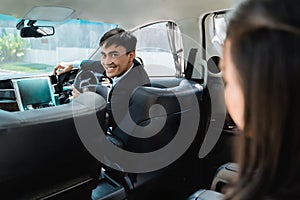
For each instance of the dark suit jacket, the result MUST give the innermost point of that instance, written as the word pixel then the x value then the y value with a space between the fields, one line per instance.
pixel 119 95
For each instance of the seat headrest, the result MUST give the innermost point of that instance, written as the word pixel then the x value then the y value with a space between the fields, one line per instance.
pixel 144 97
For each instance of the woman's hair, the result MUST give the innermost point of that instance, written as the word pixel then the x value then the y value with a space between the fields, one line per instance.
pixel 265 48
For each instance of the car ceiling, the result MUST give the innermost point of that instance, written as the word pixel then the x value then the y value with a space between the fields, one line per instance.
pixel 126 13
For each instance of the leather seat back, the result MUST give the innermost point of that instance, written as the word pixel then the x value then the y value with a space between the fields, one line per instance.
pixel 178 103
pixel 145 108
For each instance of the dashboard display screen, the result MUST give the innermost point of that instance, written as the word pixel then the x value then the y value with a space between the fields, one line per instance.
pixel 33 93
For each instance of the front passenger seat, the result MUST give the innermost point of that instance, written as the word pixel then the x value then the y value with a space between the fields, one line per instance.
pixel 178 104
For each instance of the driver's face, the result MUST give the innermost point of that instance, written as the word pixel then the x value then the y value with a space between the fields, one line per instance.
pixel 115 60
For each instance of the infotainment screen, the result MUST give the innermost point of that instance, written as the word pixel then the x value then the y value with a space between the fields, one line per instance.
pixel 33 93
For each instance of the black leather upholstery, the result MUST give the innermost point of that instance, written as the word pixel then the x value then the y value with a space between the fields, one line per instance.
pixel 140 103
pixel 41 153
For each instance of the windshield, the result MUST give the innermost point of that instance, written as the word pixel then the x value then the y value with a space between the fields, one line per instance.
pixel 73 40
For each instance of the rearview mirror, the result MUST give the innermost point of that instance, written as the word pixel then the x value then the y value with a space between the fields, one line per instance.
pixel 37 31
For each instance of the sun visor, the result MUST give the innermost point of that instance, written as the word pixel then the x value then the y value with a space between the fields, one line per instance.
pixel 49 13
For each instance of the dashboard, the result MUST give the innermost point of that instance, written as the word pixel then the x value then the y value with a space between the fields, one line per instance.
pixel 8 100
pixel 35 92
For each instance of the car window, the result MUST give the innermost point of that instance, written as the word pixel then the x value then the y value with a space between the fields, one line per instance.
pixel 73 40
pixel 215 32
pixel 154 47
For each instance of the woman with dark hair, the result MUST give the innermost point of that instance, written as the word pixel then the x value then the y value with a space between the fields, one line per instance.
pixel 261 71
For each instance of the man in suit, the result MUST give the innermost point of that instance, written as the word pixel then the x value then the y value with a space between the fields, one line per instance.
pixel 119 64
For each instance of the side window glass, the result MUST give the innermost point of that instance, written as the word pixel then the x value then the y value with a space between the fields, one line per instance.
pixel 160 47
pixel 215 33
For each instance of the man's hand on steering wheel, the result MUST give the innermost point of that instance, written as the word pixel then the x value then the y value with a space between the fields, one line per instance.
pixel 75 92
pixel 87 80
pixel 62 68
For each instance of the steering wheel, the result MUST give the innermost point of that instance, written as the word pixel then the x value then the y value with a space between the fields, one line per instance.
pixel 87 79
